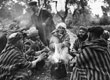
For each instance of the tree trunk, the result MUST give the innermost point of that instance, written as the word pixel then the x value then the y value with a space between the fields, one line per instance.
pixel 65 13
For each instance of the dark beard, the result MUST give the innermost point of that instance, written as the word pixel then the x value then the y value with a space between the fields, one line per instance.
pixel 83 38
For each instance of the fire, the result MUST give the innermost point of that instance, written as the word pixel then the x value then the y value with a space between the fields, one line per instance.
pixel 60 54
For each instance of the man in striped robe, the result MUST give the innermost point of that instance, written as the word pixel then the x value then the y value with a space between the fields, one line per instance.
pixel 93 63
pixel 13 65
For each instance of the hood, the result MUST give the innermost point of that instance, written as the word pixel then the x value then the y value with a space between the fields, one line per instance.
pixel 99 44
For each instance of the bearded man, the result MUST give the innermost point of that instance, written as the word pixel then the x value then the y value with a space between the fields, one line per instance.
pixel 93 62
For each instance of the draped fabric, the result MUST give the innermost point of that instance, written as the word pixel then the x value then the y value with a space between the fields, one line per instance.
pixel 77 44
pixel 31 47
pixel 94 58
pixel 12 61
pixel 63 39
pixel 35 45
pixel 88 74
pixel 66 39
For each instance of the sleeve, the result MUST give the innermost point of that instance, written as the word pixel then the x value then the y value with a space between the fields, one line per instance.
pixel 53 40
pixel 67 41
pixel 22 62
pixel 41 44
pixel 75 45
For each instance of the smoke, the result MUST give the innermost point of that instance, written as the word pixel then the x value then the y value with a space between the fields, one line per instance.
pixel 60 54
pixel 24 19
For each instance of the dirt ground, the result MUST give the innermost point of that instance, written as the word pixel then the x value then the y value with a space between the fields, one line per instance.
pixel 44 74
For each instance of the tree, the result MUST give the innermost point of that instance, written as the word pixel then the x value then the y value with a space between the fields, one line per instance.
pixel 81 4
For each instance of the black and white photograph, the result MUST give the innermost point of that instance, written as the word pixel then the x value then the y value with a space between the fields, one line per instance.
pixel 54 39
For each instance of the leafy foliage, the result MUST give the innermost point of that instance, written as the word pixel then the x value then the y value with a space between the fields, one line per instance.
pixel 81 14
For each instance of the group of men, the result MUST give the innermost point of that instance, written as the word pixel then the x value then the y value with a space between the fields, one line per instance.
pixel 92 55
pixel 22 53
pixel 15 60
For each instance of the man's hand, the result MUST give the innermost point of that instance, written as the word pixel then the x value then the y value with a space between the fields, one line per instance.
pixel 46 49
pixel 42 56
pixel 39 58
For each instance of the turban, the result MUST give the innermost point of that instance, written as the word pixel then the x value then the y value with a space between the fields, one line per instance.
pixel 61 25
pixel 14 37
pixel 83 28
pixel 32 32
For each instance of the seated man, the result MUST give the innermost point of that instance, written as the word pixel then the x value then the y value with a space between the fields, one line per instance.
pixel 59 46
pixel 33 43
pixel 82 36
pixel 34 47
pixel 93 61
pixel 13 64
pixel 60 35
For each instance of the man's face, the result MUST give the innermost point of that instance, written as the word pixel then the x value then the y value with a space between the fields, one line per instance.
pixel 81 33
pixel 20 44
pixel 61 30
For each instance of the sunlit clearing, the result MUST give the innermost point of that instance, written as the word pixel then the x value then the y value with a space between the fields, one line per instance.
pixel 53 7
pixel 60 5
pixel 72 8
pixel 96 7
pixel 15 1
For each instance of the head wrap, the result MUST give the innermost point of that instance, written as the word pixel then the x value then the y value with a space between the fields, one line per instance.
pixel 62 24
pixel 83 28
pixel 32 32
pixel 14 37
pixel 98 31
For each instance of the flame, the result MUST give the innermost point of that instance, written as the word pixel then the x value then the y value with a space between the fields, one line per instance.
pixel 55 57
pixel 60 54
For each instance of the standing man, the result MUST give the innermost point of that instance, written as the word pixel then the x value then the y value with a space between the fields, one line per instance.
pixel 93 63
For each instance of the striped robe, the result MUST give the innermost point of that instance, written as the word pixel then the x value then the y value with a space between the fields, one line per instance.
pixel 93 63
pixel 77 44
pixel 12 61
